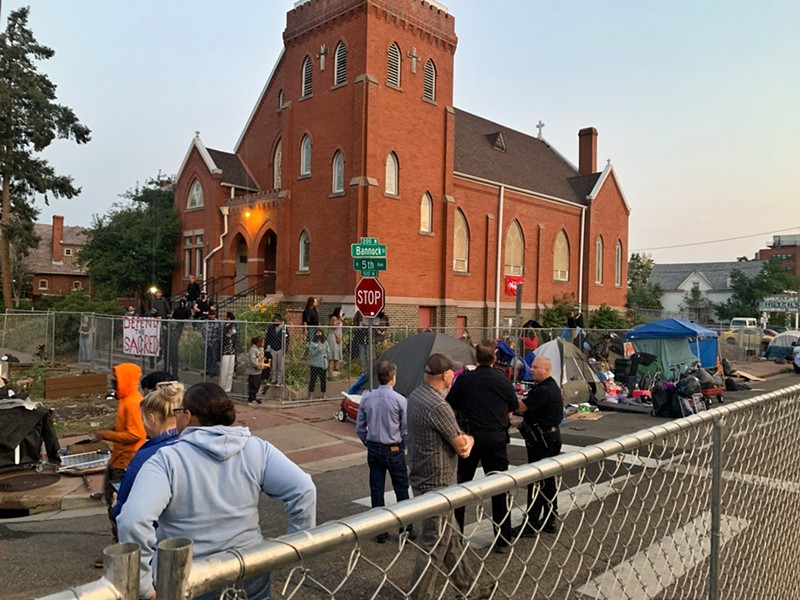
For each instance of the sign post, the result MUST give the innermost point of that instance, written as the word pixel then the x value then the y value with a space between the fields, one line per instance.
pixel 369 257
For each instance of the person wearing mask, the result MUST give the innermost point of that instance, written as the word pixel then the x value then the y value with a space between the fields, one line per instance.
pixel 158 417
pixel 319 354
pixel 215 473
pixel 128 434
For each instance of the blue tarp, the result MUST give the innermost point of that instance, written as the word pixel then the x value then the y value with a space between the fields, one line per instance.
pixel 668 329
pixel 699 342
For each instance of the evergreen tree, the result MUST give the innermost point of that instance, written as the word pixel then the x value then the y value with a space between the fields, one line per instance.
pixel 30 119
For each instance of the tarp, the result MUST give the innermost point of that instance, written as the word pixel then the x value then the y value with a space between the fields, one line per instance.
pixel 677 344
pixel 411 354
pixel 668 329
pixel 570 369
pixel 781 345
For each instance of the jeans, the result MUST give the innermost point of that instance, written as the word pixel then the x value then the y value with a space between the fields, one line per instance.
pixel 113 475
pixel 257 588
pixel 380 459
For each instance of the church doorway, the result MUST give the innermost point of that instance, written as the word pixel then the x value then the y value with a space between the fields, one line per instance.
pixel 269 252
pixel 241 266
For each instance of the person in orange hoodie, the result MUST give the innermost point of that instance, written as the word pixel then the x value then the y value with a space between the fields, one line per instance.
pixel 128 433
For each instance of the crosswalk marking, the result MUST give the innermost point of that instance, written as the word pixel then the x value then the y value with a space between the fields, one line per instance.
pixel 649 572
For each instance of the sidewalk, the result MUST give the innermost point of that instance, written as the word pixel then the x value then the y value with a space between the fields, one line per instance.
pixel 307 434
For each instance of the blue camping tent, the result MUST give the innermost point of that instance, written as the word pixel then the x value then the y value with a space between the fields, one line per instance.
pixel 676 343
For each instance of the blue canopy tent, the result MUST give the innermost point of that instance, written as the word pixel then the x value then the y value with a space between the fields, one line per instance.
pixel 676 343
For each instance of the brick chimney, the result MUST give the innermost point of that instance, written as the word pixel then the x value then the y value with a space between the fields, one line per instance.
pixel 58 235
pixel 587 151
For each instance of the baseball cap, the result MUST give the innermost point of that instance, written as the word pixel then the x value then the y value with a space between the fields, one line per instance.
pixel 439 363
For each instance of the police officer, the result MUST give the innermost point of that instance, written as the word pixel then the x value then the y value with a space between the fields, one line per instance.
pixel 543 412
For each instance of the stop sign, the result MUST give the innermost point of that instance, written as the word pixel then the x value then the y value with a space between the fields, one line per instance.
pixel 369 296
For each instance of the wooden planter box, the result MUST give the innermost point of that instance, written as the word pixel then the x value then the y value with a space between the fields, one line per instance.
pixel 75 385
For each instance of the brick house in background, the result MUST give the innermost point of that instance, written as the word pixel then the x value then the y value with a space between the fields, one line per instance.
pixel 784 250
pixel 355 135
pixel 53 265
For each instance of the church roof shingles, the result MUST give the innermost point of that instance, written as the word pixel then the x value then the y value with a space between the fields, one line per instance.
pixel 527 163
pixel 233 170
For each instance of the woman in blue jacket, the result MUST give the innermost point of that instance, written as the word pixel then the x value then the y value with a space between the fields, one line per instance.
pixel 158 415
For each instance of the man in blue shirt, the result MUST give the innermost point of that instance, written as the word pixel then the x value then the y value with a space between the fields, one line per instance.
pixel 382 427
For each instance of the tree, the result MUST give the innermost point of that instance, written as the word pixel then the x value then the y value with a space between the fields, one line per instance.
pixel 133 247
pixel 30 120
pixel 748 292
pixel 698 304
pixel 556 315
pixel 643 294
pixel 22 238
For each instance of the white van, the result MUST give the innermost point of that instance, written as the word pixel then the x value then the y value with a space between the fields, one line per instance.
pixel 743 322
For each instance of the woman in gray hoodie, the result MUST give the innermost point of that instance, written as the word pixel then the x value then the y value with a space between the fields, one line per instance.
pixel 214 474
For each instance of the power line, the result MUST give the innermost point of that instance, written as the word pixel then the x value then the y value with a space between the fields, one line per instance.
pixel 732 239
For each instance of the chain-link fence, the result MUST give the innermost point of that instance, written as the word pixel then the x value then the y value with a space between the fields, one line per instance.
pixel 200 350
pixel 701 507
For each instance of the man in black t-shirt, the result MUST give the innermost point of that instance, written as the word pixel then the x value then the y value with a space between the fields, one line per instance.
pixel 483 401
pixel 544 411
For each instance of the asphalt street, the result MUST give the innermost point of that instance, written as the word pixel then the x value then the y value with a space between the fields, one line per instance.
pixel 48 553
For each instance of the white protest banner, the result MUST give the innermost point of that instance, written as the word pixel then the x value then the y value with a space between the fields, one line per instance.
pixel 141 336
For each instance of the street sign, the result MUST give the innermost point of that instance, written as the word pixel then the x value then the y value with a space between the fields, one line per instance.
pixel 369 264
pixel 368 248
pixel 780 304
pixel 370 297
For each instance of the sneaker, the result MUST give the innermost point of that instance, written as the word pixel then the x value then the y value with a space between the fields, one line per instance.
pixel 381 538
pixel 253 403
pixel 501 548
pixel 527 531
pixel 550 527
pixel 258 400
pixel 98 564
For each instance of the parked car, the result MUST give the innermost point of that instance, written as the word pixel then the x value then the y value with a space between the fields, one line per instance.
pixel 753 339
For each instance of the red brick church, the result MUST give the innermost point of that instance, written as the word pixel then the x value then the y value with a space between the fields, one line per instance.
pixel 355 135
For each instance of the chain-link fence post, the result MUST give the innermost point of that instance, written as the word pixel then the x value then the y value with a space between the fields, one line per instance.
pixel 174 564
pixel 717 440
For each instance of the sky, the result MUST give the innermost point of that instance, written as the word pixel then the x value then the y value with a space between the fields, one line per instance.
pixel 697 104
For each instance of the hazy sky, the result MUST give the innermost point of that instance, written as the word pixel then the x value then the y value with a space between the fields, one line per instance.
pixel 697 104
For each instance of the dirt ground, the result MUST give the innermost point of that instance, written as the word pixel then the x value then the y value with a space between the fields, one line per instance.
pixel 82 415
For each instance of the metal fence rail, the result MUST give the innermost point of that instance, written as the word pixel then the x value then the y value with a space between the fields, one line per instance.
pixel 701 507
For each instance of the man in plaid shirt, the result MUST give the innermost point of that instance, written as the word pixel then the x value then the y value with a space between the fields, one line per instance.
pixel 434 444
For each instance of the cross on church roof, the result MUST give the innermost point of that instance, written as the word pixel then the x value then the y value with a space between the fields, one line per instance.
pixel 540 126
